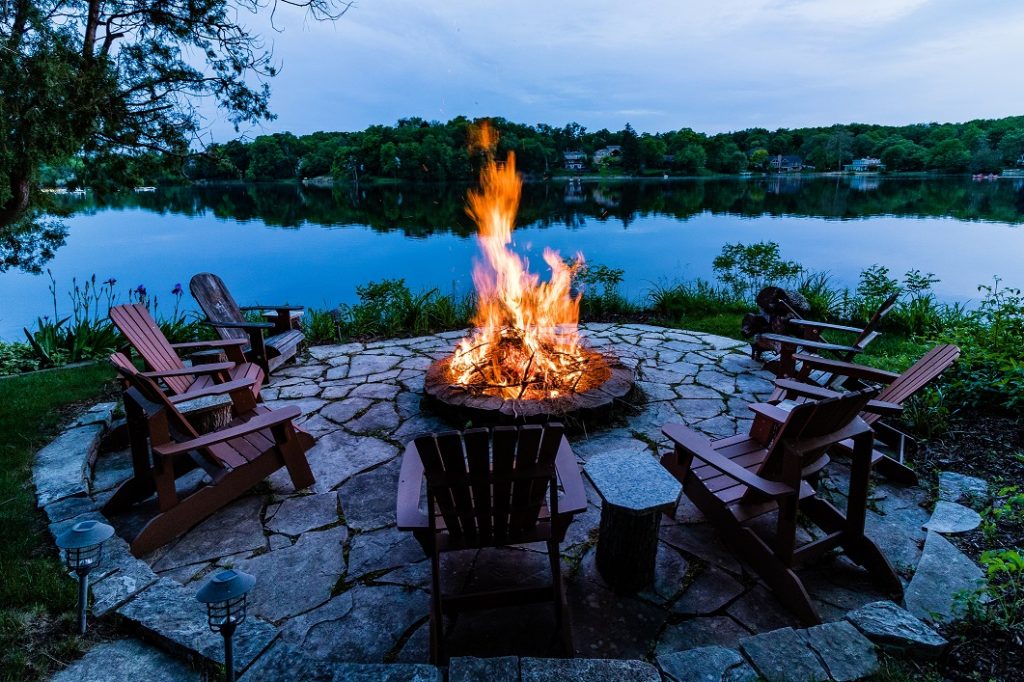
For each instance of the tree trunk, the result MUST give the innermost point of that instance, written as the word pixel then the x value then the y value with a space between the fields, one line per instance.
pixel 15 207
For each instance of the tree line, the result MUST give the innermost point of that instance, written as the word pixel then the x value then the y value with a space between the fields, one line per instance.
pixel 419 150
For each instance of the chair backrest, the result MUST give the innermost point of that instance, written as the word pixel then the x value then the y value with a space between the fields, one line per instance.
pixel 217 302
pixel 147 389
pixel 920 374
pixel 876 319
pixel 812 420
pixel 488 486
pixel 138 326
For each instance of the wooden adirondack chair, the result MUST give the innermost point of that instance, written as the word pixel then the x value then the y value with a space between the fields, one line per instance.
pixel 896 389
pixel 809 337
pixel 226 317
pixel 738 479
pixel 162 360
pixel 165 447
pixel 490 488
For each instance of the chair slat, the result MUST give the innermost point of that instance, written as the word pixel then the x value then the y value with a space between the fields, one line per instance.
pixel 453 457
pixel 527 454
pixel 478 442
pixel 505 439
pixel 430 455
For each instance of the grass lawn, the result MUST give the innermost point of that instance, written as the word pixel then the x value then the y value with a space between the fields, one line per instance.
pixel 37 599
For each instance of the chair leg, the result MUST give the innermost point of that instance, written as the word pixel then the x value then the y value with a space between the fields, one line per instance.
pixel 294 457
pixel 561 607
pixel 437 654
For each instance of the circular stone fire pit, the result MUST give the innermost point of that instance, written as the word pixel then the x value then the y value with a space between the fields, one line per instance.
pixel 610 386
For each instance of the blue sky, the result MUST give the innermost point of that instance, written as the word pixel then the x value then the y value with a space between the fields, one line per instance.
pixel 661 65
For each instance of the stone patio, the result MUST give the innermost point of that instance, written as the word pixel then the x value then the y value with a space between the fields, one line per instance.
pixel 338 583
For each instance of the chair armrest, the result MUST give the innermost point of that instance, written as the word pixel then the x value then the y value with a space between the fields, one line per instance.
pixel 769 411
pixel 805 390
pixel 410 480
pixel 213 389
pixel 883 408
pixel 264 421
pixel 574 498
pixel 273 307
pixel 825 325
pixel 847 369
pixel 211 368
pixel 240 325
pixel 807 343
pixel 220 343
pixel 700 447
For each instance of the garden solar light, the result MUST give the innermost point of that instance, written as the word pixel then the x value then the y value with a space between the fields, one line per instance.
pixel 225 596
pixel 83 551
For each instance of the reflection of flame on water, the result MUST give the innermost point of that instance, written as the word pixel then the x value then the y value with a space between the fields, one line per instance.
pixel 526 344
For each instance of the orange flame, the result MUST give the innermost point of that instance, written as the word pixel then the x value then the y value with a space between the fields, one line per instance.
pixel 526 344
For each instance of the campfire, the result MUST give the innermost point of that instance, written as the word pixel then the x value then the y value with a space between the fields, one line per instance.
pixel 526 357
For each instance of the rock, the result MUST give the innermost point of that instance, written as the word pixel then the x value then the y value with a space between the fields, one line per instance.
pixel 954 487
pixel 382 549
pixel 896 629
pixel 361 625
pixel 171 614
pixel 378 391
pixel 59 468
pixel 296 578
pixel 389 672
pixel 759 610
pixel 707 664
pixel 283 662
pixel 126 659
pixel 702 541
pixel 381 418
pixel 847 654
pixel 783 656
pixel 950 517
pixel 590 669
pixel 695 409
pixel 498 669
pixel 100 413
pixel 339 455
pixel 125 576
pixel 110 470
pixel 368 499
pixel 233 529
pixel 712 589
pixel 372 364
pixel 70 507
pixel 341 411
pixel 301 513
pixel 701 632
pixel 943 573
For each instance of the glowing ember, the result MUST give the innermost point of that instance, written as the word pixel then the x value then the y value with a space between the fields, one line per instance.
pixel 526 344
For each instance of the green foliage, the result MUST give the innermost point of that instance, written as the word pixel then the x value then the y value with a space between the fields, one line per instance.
pixel 601 296
pixel 16 358
pixel 746 269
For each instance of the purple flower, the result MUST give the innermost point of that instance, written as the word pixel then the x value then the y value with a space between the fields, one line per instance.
pixel 141 290
pixel 177 291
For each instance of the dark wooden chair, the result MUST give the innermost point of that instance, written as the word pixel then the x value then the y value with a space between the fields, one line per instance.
pixel 735 480
pixel 490 488
pixel 165 447
pixel 284 335
pixel 164 364
pixel 809 336
pixel 896 389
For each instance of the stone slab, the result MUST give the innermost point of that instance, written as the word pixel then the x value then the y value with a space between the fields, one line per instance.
pixel 943 573
pixel 168 612
pixel 59 468
pixel 126 659
pixel 302 513
pixel 232 529
pixel 784 656
pixel 632 481
pixel 896 629
pixel 707 664
pixel 847 654
pixel 125 576
pixel 497 669
pixel 590 669
pixel 386 672
pixel 283 662
pixel 951 517
pixel 954 487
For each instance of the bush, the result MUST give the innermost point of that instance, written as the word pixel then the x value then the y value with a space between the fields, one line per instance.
pixel 601 296
pixel 746 269
pixel 16 358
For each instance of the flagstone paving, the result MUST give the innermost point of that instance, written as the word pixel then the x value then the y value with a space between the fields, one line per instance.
pixel 343 585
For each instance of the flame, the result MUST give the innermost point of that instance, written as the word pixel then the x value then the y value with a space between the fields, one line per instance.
pixel 526 343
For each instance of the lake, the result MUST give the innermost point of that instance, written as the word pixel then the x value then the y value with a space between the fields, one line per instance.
pixel 284 243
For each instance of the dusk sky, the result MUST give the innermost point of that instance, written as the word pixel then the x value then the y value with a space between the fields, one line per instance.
pixel 661 65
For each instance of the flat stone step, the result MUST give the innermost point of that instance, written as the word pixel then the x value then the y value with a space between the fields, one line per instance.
pixel 943 573
pixel 127 659
pixel 707 664
pixel 895 629
pixel 589 669
pixel 950 517
pixel 784 656
pixel 60 468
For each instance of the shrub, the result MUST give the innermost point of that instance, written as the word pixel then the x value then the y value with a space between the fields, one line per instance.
pixel 601 295
pixel 748 268
pixel 672 302
pixel 16 358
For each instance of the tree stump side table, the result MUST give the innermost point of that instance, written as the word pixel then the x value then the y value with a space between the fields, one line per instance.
pixel 635 490
pixel 208 413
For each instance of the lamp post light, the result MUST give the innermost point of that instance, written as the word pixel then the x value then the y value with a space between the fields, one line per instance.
pixel 82 545
pixel 225 598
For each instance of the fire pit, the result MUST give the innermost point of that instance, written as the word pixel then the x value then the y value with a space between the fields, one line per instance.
pixel 526 360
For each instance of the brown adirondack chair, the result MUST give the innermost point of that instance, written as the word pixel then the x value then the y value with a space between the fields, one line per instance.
pixel 226 317
pixel 165 447
pixel 162 360
pixel 738 479
pixel 895 390
pixel 809 337
pixel 490 488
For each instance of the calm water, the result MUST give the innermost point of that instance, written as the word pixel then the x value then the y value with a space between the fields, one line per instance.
pixel 276 243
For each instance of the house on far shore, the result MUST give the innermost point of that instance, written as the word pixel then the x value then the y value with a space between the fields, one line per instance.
pixel 868 164
pixel 611 151
pixel 574 160
pixel 786 163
